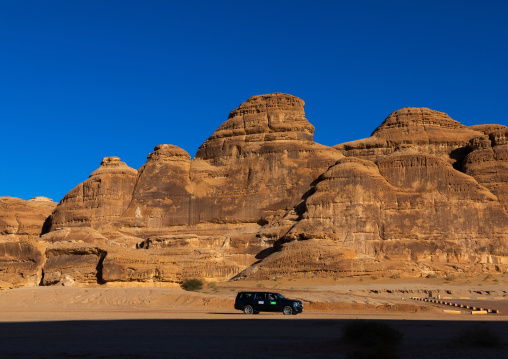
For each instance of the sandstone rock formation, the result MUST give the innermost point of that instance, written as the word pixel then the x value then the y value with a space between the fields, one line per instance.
pixel 259 162
pixel 488 161
pixel 396 199
pixel 423 195
pixel 254 168
pixel 161 195
pixel 102 198
pixel 23 219
pixel 419 130
pixel 21 223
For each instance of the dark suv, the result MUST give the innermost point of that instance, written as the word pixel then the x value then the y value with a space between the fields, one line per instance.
pixel 255 302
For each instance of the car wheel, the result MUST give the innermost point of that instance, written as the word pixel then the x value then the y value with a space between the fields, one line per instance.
pixel 287 310
pixel 248 309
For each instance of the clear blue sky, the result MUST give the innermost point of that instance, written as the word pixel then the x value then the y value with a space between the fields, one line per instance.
pixel 81 80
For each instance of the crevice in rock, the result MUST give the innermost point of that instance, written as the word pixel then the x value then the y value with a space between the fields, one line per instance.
pixel 46 227
pixel 41 282
pixel 99 268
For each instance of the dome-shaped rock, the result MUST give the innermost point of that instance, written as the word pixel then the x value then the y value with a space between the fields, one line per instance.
pixel 102 198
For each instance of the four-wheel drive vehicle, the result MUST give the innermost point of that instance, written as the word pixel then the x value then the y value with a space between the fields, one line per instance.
pixel 255 302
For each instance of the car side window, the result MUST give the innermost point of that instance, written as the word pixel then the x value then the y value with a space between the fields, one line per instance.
pixel 260 296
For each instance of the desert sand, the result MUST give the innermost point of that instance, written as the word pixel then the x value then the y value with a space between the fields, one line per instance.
pixel 167 322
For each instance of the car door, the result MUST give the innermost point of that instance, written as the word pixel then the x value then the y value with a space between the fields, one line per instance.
pixel 273 303
pixel 260 302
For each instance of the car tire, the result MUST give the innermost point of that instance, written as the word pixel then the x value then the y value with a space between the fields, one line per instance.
pixel 287 310
pixel 248 309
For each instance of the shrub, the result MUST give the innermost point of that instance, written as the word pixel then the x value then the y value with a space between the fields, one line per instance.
pixel 481 337
pixel 192 284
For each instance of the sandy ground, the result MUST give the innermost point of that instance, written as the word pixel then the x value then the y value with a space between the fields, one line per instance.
pixel 167 322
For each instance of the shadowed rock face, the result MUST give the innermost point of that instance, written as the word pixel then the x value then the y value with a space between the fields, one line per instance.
pixel 102 198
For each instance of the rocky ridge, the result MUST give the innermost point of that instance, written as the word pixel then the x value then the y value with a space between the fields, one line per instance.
pixel 423 195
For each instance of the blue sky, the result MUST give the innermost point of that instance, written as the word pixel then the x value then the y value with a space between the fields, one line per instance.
pixel 81 80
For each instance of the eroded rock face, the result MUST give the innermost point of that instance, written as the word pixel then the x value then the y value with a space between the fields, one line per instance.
pixel 139 266
pixel 67 264
pixel 258 163
pixel 423 195
pixel 488 161
pixel 101 199
pixel 21 223
pixel 417 130
pixel 162 193
pixel 23 220
pixel 406 207
pixel 20 264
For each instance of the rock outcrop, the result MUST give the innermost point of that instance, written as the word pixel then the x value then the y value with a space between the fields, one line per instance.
pixel 162 193
pixel 396 198
pixel 423 195
pixel 21 219
pixel 258 163
pixel 21 223
pixel 419 130
pixel 254 168
pixel 488 161
pixel 101 199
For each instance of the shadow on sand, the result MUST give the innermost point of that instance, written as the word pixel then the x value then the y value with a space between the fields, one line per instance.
pixel 294 337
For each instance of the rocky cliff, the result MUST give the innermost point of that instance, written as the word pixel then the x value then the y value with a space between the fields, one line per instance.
pixel 423 195
pixel 21 254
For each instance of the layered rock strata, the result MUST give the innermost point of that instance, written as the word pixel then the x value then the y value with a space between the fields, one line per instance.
pixel 258 163
pixel 423 195
pixel 488 161
pixel 23 220
pixel 418 130
pixel 21 223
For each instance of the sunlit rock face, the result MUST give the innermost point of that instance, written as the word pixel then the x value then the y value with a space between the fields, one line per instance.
pixel 23 220
pixel 488 161
pixel 21 256
pixel 423 195
pixel 102 198
pixel 416 130
pixel 161 195
pixel 258 163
